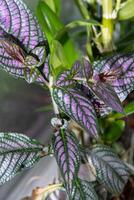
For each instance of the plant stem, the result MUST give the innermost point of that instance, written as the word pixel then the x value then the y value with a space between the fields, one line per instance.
pixel 55 107
pixel 118 3
pixel 84 12
pixel 42 193
pixel 107 25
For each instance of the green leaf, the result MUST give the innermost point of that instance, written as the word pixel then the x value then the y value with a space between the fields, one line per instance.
pixel 51 24
pixel 48 20
pixel 110 170
pixel 114 132
pixel 17 152
pixel 83 190
pixel 127 10
pixel 128 110
pixel 55 5
pixel 58 59
pixel 76 24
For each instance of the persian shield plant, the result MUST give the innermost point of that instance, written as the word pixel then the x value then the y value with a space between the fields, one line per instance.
pixel 84 90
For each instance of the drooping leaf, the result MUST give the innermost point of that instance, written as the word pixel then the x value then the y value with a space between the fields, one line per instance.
pixel 17 152
pixel 77 107
pixel 107 94
pixel 66 150
pixel 100 107
pixel 118 70
pixel 17 20
pixel 110 170
pixel 83 190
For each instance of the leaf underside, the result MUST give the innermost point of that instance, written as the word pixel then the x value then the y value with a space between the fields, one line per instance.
pixel 100 107
pixel 107 94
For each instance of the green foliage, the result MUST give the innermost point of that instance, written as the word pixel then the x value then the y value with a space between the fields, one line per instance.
pixel 58 59
pixel 114 131
pixel 51 25
pixel 55 5
pixel 127 10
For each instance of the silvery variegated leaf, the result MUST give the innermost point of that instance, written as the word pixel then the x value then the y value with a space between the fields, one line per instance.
pixel 65 79
pixel 46 68
pixel 106 93
pixel 87 68
pixel 66 151
pixel 111 172
pixel 83 190
pixel 17 152
pixel 18 63
pixel 22 44
pixel 100 107
pixel 118 70
pixel 77 107
pixel 17 20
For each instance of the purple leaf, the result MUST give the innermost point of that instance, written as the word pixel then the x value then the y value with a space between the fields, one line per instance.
pixel 44 72
pixel 65 79
pixel 66 150
pixel 107 94
pixel 16 19
pixel 117 70
pixel 87 68
pixel 76 69
pixel 46 68
pixel 12 61
pixel 100 107
pixel 13 50
pixel 77 107
pixel 16 62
